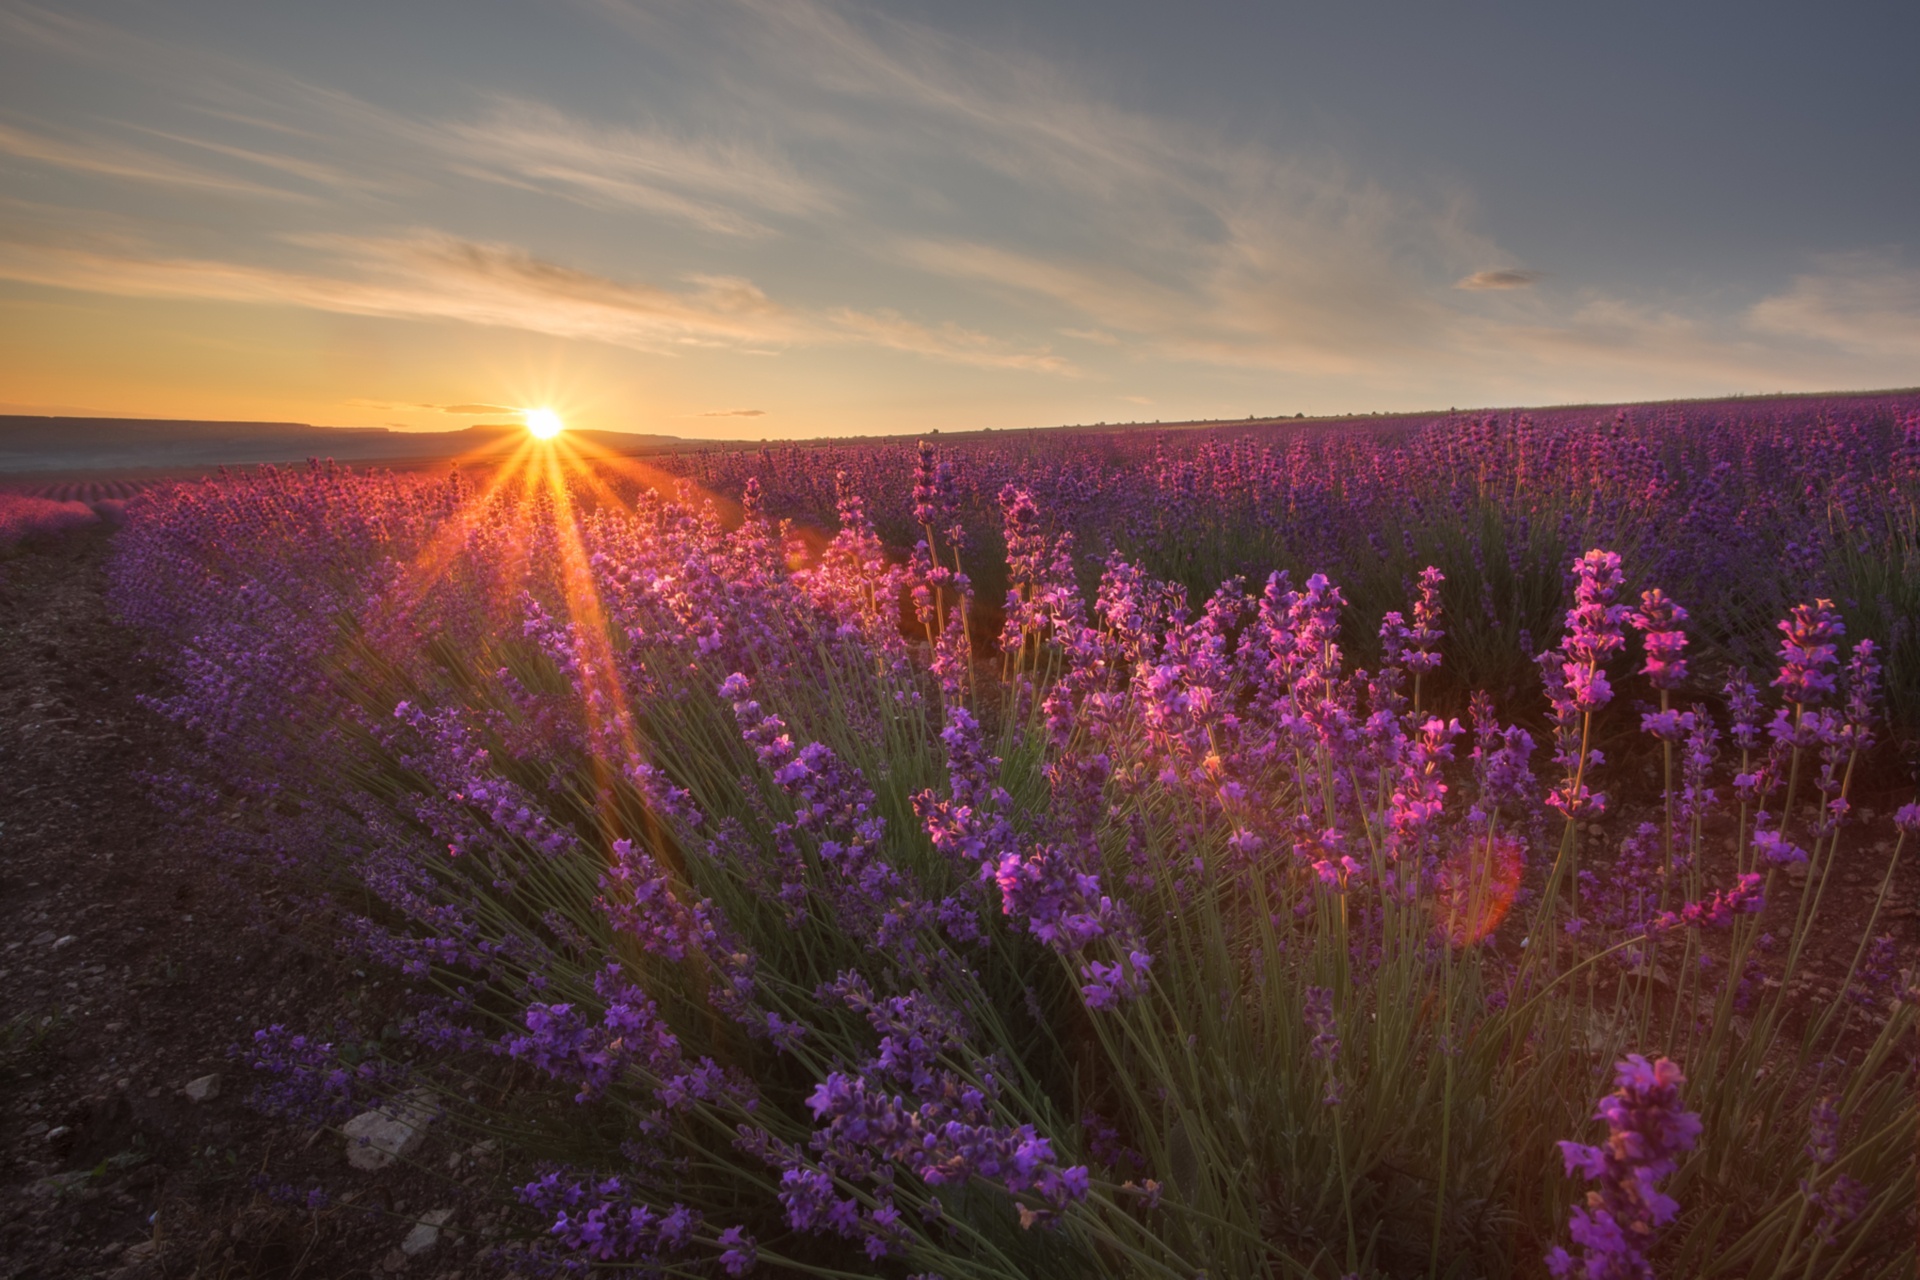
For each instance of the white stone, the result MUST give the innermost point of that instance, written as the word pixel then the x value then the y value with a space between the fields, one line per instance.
pixel 425 1233
pixel 204 1089
pixel 375 1139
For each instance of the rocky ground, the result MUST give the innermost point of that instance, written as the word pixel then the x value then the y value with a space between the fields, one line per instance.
pixel 129 969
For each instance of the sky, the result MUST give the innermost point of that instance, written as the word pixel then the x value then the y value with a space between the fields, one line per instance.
pixel 792 218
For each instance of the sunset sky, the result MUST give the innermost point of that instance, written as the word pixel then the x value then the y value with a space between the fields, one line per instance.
pixel 771 218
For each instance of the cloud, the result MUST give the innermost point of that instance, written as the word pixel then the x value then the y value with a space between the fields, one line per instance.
pixel 433 276
pixel 701 181
pixel 946 341
pixel 733 413
pixel 427 276
pixel 1501 278
pixel 105 158
pixel 330 177
pixel 468 409
pixel 1862 302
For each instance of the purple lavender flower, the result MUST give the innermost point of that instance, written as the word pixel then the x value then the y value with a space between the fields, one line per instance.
pixel 1808 647
pixel 1843 1198
pixel 1666 643
pixel 1423 637
pixel 1743 710
pixel 739 1253
pixel 1325 1046
pixel 1746 897
pixel 1776 849
pixel 310 1081
pixel 1647 1129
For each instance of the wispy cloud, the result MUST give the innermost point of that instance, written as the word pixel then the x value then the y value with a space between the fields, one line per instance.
pixel 328 176
pixel 1856 302
pixel 469 410
pixel 946 342
pixel 106 158
pixel 428 276
pixel 733 413
pixel 704 181
pixel 431 276
pixel 1500 278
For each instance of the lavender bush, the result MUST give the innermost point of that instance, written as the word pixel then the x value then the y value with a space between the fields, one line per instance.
pixel 785 902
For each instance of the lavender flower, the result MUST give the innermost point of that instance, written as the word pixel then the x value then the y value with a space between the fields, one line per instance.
pixel 1843 1198
pixel 1647 1129
pixel 1808 647
pixel 1666 643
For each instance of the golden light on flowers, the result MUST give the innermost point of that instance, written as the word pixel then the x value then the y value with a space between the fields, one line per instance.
pixel 544 423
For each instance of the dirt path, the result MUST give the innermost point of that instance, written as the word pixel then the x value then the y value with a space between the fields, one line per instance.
pixel 129 967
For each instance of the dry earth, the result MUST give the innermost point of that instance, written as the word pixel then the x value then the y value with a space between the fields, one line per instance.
pixel 130 966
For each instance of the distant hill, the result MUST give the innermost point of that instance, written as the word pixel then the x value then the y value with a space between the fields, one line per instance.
pixel 41 444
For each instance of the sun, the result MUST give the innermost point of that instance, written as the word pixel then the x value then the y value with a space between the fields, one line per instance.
pixel 544 423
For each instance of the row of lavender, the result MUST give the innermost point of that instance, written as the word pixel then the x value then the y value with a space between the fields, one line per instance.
pixel 1745 507
pixel 23 516
pixel 1151 937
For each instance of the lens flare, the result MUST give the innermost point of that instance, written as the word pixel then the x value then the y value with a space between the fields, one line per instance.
pixel 1477 886
pixel 544 423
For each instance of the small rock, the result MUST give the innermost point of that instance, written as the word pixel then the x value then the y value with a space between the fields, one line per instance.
pixel 204 1089
pixel 58 1132
pixel 60 944
pixel 425 1233
pixel 42 939
pixel 375 1139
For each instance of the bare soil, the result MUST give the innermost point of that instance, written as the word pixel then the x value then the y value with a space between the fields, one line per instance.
pixel 132 965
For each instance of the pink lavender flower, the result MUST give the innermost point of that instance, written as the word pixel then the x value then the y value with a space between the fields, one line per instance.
pixel 1575 679
pixel 1594 623
pixel 1647 1129
pixel 1747 897
pixel 1423 637
pixel 1666 643
pixel 1808 647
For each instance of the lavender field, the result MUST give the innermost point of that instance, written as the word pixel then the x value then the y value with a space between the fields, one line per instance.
pixel 1298 850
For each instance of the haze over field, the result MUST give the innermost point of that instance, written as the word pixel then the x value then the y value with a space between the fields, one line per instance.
pixel 748 218
pixel 30 445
